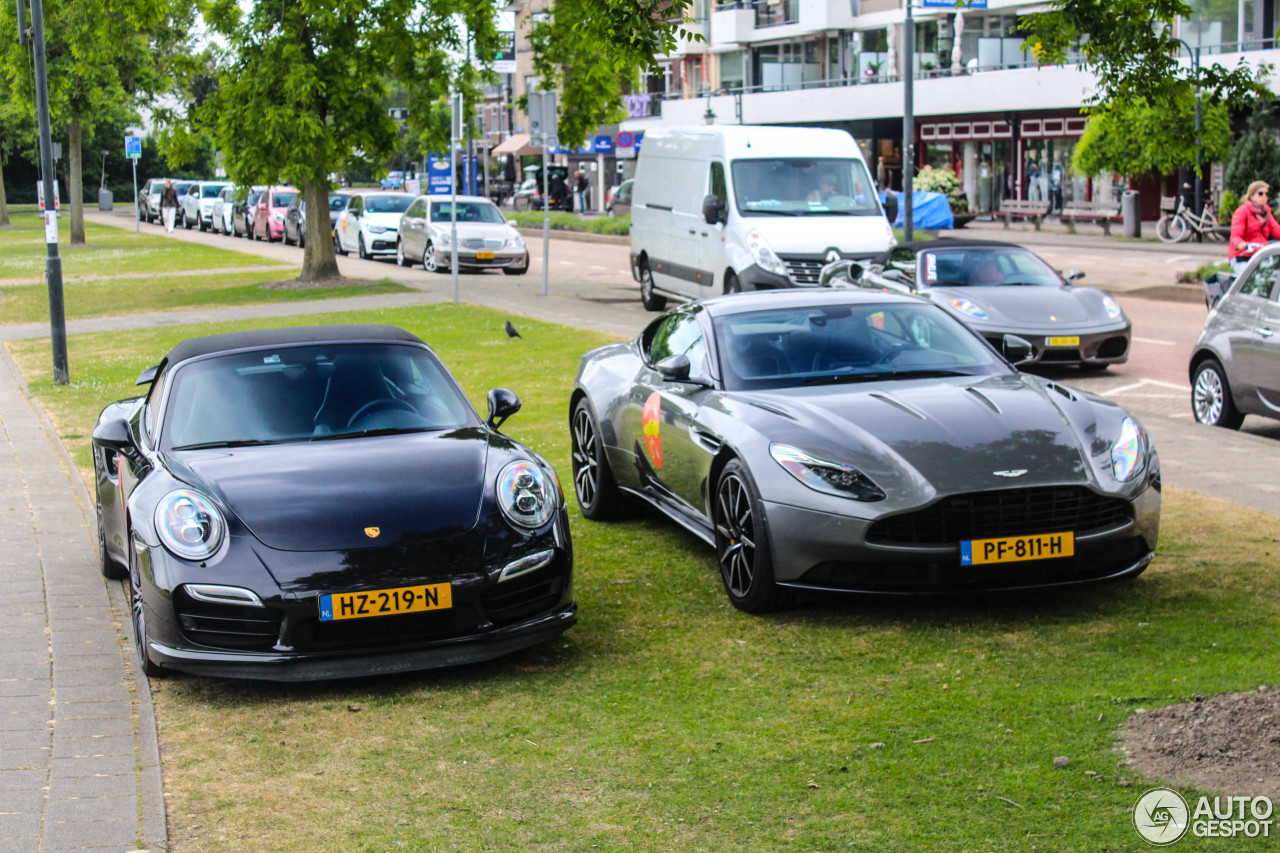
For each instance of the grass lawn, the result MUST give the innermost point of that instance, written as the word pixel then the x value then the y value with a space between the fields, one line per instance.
pixel 668 721
pixel 82 299
pixel 110 251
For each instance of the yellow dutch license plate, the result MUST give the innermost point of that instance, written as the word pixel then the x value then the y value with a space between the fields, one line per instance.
pixel 484 256
pixel 1064 341
pixel 385 602
pixel 1014 549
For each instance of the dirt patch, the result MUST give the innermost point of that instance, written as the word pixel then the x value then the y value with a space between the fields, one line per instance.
pixel 1229 743
pixel 321 284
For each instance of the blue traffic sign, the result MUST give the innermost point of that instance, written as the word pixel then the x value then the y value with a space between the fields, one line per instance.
pixel 133 146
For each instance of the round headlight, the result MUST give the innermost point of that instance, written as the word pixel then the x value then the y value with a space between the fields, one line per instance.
pixel 190 525
pixel 526 494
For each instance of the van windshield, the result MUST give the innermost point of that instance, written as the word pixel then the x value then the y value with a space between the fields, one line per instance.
pixel 804 186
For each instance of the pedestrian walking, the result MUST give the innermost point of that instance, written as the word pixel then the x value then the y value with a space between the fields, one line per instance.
pixel 168 204
pixel 580 191
pixel 1252 225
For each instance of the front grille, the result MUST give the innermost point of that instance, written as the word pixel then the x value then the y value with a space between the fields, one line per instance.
pixel 803 270
pixel 1012 512
pixel 227 626
pixel 312 635
pixel 477 243
pixel 524 596
pixel 1069 354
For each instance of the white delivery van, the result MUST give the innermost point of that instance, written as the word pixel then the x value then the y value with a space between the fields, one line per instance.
pixel 722 209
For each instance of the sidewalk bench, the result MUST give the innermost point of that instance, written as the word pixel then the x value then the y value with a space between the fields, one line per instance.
pixel 1036 211
pixel 1101 212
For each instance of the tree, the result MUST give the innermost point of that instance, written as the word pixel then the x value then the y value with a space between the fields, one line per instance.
pixel 1135 138
pixel 105 59
pixel 1256 155
pixel 17 129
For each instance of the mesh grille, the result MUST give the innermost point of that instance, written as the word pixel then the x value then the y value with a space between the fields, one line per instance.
pixel 1014 512
pixel 524 596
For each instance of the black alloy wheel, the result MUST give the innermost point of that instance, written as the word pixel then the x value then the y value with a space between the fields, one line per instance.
pixel 1211 402
pixel 650 299
pixel 593 481
pixel 138 617
pixel 742 543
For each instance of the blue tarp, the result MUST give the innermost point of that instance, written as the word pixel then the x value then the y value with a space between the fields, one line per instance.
pixel 928 210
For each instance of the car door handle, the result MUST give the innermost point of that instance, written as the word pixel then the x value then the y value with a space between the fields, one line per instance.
pixel 1265 332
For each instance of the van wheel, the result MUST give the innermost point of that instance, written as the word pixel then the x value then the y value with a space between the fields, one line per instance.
pixel 731 284
pixel 651 300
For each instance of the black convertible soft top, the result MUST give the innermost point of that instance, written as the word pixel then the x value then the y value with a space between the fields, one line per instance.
pixel 947 243
pixel 193 347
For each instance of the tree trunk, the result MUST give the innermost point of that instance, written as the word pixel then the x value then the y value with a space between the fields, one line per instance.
pixel 4 202
pixel 75 185
pixel 318 262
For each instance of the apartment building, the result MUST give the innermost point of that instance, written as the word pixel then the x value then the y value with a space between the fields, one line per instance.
pixel 982 107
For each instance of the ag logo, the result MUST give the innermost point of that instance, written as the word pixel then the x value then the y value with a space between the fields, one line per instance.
pixel 650 419
pixel 1161 816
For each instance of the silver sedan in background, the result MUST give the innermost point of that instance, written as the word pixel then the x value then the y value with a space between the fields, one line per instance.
pixel 486 240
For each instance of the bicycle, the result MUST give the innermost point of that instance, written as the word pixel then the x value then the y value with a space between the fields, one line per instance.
pixel 1177 225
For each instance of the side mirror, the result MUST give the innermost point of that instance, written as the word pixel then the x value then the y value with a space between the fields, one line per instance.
pixel 891 206
pixel 113 435
pixel 502 405
pixel 1074 275
pixel 675 368
pixel 712 210
pixel 1017 350
pixel 148 376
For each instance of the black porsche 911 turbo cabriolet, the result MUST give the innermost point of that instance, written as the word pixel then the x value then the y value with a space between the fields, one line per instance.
pixel 324 502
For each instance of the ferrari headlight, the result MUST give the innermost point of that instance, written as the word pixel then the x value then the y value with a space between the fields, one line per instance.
pixel 820 475
pixel 1112 307
pixel 377 229
pixel 763 253
pixel 189 524
pixel 964 306
pixel 1129 453
pixel 526 494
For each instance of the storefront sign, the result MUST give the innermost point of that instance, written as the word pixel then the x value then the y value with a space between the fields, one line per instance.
pixel 958 5
pixel 602 144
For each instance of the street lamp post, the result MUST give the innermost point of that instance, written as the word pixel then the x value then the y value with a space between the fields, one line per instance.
pixel 908 119
pixel 1196 203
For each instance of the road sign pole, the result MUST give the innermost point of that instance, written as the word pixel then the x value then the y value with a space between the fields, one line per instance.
pixel 455 103
pixel 137 212
pixel 53 263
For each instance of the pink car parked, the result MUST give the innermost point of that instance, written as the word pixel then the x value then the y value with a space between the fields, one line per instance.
pixel 268 214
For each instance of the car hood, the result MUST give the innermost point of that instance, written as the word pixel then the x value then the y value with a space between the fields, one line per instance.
pixel 322 495
pixel 477 231
pixel 387 220
pixel 950 436
pixel 1039 307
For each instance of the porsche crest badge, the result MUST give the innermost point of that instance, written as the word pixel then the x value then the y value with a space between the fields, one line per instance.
pixel 373 532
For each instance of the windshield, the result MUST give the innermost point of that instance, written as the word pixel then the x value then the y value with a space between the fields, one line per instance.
pixel 302 393
pixel 211 190
pixel 338 201
pixel 785 348
pixel 468 211
pixel 283 199
pixel 984 266
pixel 387 203
pixel 804 186
pixel 180 187
pixel 254 196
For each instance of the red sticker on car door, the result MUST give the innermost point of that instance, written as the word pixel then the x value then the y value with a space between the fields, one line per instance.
pixel 650 419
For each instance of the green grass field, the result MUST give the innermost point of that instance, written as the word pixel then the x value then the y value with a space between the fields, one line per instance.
pixel 668 721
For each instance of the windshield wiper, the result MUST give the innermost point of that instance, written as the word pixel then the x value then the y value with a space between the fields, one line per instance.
pixel 840 378
pixel 361 433
pixel 239 442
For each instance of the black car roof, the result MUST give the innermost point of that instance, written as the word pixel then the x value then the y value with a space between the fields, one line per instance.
pixel 763 300
pixel 951 243
pixel 209 344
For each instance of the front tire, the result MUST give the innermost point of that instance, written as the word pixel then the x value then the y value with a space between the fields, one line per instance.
pixel 337 245
pixel 742 543
pixel 517 270
pixel 651 300
pixel 364 253
pixel 732 284
pixel 401 258
pixel 110 568
pixel 1211 402
pixel 429 258
pixel 593 480
pixel 139 619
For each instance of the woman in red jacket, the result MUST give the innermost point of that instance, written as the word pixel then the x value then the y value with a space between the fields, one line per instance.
pixel 1252 226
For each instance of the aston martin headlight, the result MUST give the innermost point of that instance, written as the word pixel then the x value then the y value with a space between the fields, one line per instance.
pixel 526 494
pixel 763 254
pixel 1129 453
pixel 1112 307
pixel 190 525
pixel 820 475
pixel 964 306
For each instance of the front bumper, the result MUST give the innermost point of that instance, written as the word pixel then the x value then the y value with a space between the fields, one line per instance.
pixel 1109 345
pixel 381 244
pixel 818 550
pixel 499 260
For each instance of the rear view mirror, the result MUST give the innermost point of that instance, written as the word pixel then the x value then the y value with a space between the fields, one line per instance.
pixel 1017 350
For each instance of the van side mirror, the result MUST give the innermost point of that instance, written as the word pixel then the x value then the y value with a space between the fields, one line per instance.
pixel 713 210
pixel 891 206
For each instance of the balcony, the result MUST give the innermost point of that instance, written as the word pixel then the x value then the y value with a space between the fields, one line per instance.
pixel 767 13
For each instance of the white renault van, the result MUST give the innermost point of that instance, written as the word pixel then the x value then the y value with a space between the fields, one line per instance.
pixel 723 209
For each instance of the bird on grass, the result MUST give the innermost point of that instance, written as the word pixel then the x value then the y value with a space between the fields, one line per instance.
pixel 511 331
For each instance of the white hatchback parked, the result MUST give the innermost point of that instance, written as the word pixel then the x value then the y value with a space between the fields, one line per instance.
pixel 370 223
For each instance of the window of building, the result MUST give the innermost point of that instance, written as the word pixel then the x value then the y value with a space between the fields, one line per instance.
pixel 870 52
pixel 733 69
pixel 786 65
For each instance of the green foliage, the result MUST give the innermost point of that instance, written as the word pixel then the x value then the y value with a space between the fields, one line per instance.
pixel 1136 138
pixel 942 181
pixel 1255 157
pixel 572 222
pixel 1130 45
pixel 1227 206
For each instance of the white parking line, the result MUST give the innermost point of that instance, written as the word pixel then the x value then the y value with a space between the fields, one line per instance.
pixel 595 267
pixel 1179 258
pixel 1156 342
pixel 1143 384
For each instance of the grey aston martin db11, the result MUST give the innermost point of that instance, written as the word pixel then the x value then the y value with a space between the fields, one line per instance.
pixel 1001 289
pixel 324 502
pixel 863 441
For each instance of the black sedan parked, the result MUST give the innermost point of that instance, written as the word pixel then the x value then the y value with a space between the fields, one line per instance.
pixel 323 502
pixel 861 441
pixel 999 289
